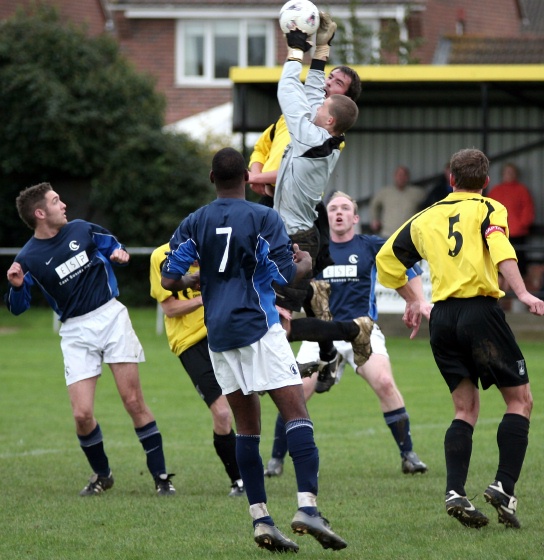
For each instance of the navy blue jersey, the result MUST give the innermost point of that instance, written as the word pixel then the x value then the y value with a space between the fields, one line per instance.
pixel 72 269
pixel 242 248
pixel 353 277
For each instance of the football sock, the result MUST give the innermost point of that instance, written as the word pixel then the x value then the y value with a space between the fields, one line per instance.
pixel 279 447
pixel 151 441
pixel 251 467
pixel 458 450
pixel 399 424
pixel 309 328
pixel 512 439
pixel 93 447
pixel 303 451
pixel 266 519
pixel 309 510
pixel 327 351
pixel 225 447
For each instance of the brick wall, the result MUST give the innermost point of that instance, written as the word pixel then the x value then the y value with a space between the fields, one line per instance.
pixel 88 12
pixel 150 45
pixel 482 18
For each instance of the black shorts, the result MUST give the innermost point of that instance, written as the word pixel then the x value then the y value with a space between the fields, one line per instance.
pixel 196 361
pixel 471 338
pixel 293 295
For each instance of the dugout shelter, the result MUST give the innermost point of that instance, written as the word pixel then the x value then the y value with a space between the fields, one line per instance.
pixel 418 115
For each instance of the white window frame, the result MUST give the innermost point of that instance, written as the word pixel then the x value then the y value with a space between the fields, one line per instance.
pixel 207 80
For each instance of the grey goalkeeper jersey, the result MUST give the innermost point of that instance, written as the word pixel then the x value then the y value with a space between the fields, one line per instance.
pixel 310 158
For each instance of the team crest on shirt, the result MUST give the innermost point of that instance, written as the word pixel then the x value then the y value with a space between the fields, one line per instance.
pixel 294 369
pixel 353 259
pixel 521 368
pixel 74 245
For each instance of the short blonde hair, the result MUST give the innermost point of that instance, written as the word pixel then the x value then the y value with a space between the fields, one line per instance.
pixel 338 194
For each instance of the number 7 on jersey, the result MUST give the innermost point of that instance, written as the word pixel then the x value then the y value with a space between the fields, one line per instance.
pixel 224 231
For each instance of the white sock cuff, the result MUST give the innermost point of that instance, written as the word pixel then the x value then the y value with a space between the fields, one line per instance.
pixel 306 499
pixel 258 510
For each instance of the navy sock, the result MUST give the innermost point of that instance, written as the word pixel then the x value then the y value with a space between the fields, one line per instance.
pixel 399 424
pixel 225 447
pixel 303 451
pixel 458 450
pixel 512 439
pixel 279 447
pixel 267 519
pixel 151 441
pixel 251 467
pixel 309 510
pixel 93 447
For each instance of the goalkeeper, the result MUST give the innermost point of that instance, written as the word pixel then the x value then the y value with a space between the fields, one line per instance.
pixel 315 117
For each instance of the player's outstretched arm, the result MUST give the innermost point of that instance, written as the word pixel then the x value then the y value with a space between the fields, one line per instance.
pixel 510 271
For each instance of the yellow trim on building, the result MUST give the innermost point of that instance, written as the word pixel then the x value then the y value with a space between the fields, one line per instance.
pixel 410 73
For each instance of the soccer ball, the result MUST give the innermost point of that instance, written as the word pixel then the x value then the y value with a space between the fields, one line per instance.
pixel 300 14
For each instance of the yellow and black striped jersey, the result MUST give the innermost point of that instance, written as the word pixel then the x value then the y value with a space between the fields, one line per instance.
pixel 463 237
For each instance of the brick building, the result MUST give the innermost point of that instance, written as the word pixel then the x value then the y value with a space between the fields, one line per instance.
pixel 188 46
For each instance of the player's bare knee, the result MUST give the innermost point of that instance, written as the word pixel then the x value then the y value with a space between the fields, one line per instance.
pixel 528 403
pixel 135 406
pixel 85 422
pixel 222 419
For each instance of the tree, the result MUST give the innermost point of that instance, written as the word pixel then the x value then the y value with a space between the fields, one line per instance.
pixel 357 43
pixel 75 113
pixel 73 109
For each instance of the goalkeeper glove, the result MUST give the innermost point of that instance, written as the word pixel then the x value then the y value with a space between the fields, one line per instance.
pixel 298 44
pixel 324 35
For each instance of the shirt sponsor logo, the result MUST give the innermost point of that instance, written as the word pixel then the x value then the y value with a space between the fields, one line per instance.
pixel 73 264
pixel 340 271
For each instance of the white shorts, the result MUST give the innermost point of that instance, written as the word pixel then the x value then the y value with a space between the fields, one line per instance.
pixel 309 351
pixel 104 335
pixel 266 364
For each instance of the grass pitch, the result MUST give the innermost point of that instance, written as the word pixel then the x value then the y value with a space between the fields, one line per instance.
pixel 382 514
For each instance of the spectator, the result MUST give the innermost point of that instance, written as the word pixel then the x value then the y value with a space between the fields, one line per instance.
pixel 393 205
pixel 441 189
pixel 517 200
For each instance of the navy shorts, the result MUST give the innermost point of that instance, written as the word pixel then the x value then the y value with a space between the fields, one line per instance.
pixel 196 361
pixel 471 338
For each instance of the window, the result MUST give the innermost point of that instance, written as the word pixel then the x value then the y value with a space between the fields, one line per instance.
pixel 206 49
